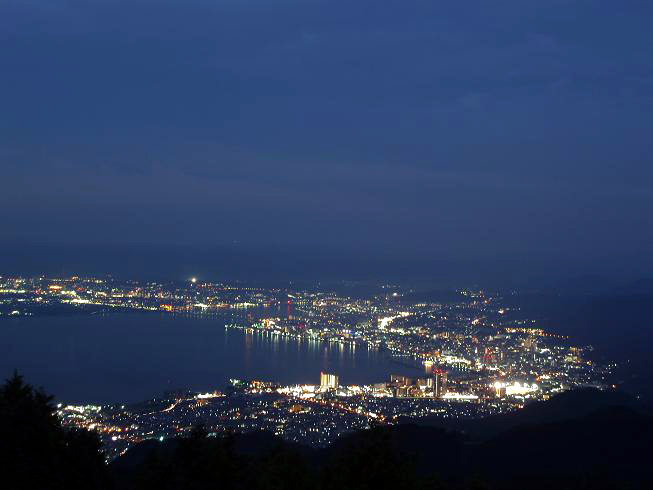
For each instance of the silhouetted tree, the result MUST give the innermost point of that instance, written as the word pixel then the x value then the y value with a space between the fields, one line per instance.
pixel 197 462
pixel 283 469
pixel 369 461
pixel 36 451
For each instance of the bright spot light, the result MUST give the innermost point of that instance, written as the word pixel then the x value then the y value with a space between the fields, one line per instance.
pixel 161 438
pixel 193 280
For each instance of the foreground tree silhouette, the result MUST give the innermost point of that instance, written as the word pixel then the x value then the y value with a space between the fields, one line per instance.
pixel 36 451
pixel 370 460
pixel 196 463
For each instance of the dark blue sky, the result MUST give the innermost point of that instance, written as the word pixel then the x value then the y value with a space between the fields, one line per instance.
pixel 505 131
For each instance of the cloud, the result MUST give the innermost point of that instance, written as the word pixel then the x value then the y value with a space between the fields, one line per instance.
pixel 438 121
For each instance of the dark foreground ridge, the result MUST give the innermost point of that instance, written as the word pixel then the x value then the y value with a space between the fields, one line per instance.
pixel 568 405
pixel 584 439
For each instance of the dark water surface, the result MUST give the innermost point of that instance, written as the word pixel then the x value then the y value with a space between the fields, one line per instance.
pixel 127 357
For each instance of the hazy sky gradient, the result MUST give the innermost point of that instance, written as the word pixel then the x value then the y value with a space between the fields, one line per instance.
pixel 505 130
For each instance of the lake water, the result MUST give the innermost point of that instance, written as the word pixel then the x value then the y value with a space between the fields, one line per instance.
pixel 128 357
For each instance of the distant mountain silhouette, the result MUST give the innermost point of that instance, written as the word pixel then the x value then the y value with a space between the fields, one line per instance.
pixel 643 286
pixel 598 285
pixel 587 284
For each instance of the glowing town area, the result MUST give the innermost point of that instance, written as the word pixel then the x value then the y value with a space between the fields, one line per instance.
pixel 474 355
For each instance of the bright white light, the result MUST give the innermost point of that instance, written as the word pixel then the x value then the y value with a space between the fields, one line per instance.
pixel 518 388
pixel 459 396
pixel 201 396
pixel 193 280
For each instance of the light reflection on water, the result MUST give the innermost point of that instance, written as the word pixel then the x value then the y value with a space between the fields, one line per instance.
pixel 134 356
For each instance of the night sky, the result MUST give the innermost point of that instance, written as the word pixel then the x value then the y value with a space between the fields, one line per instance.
pixel 502 135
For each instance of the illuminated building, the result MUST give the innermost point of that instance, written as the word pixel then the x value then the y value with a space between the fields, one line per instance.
pixel 329 381
pixel 440 383
pixel 401 391
pixel 500 389
pixel 400 380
